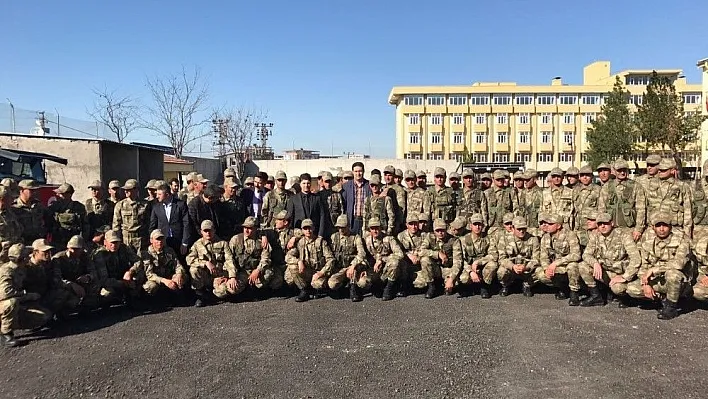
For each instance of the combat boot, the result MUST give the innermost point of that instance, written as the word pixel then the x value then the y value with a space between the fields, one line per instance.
pixel 389 290
pixel 464 290
pixel 9 340
pixel 199 302
pixel 430 293
pixel 527 291
pixel 504 291
pixel 668 312
pixel 484 291
pixel 303 296
pixel 595 298
pixel 561 295
pixel 574 299
pixel 354 293
pixel 403 289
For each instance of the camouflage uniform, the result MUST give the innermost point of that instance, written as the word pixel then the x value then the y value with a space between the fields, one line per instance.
pixel 17 310
pixel 472 200
pixel 499 202
pixel 431 266
pixel 159 265
pixel 98 213
pixel 618 255
pixel 33 218
pixel 45 279
pixel 563 249
pixel 131 217
pixel 381 208
pixel 700 291
pixel 110 269
pixel 348 250
pixel 673 197
pixel 400 204
pixel 442 203
pixel 585 199
pixel 475 248
pixel 558 200
pixel 273 202
pixel 417 201
pixel 69 219
pixel 316 255
pixel 625 201
pixel 218 252
pixel 534 205
pixel 385 249
pixel 250 255
pixel 700 207
pixel 525 251
pixel 335 204
pixel 10 232
pixel 73 268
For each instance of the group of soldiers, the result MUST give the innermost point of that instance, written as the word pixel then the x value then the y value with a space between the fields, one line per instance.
pixel 618 240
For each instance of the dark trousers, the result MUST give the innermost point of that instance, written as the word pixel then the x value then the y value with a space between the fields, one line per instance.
pixel 357 225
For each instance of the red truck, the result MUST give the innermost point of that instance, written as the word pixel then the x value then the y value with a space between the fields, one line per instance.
pixel 20 165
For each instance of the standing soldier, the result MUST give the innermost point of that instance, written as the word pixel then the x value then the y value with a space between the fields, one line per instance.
pixel 398 177
pixel 10 227
pixel 131 218
pixel 99 211
pixel 11 185
pixel 416 196
pixel 186 192
pixel 252 259
pixel 422 179
pixel 671 196
pixel 479 265
pixel 114 191
pixel 384 256
pixel 571 177
pixel 499 202
pixel 472 199
pixel 534 201
pixel 558 199
pixel 333 200
pixel 585 197
pixel 700 204
pixel 560 254
pixel 380 207
pixel 520 193
pixel 441 259
pixel 151 189
pixel 349 260
pixel 649 181
pixel 164 272
pixel 442 199
pixel 485 180
pixel 398 197
pixel 519 259
pixel 604 172
pixel 233 206
pixel 69 216
pixel 295 185
pixel 624 200
pixel 211 266
pixel 30 212
pixel 306 262
pixel 275 199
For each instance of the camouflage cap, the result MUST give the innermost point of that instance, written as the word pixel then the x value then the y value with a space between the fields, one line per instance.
pixel 458 223
pixel 102 229
pixel 439 224
pixel 620 164
pixel 191 176
pixel 280 175
pixel 75 242
pixel 95 184
pixel 206 225
pixel 347 174
pixel 508 217
pixel 549 218
pixel 250 222
pixel 327 176
pixel 201 179
pixel 114 184
pixel 130 184
pixel 556 172
pixel 603 165
pixel 375 180
pixel 506 173
pixel 230 182
pixel 590 214
pixel 660 217
pixel 519 222
pixel 282 215
pixel 41 245
pixel 667 163
pixel 306 223
pixel 228 172
pixel 113 236
pixel 374 222
pixel 399 173
pixel 573 171
pixel 271 179
pixel 585 170
pixel 410 174
pixel 320 174
pixel 603 217
pixel 15 251
pixel 389 169
pixel 342 221
pixel 157 233
pixel 454 175
pixel 340 174
pixel 476 218
pixel 519 175
pixel 653 159
pixel 249 180
pixel 412 217
pixel 8 182
pixel 151 184
pixel 29 184
pixel 424 217
pixel 421 173
pixel 467 172
pixel 64 188
pixel 530 174
pixel 498 174
pixel 440 172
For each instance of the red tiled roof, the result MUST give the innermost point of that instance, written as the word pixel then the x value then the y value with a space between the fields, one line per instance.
pixel 172 159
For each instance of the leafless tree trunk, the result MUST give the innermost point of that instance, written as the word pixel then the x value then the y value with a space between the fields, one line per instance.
pixel 119 113
pixel 239 135
pixel 177 112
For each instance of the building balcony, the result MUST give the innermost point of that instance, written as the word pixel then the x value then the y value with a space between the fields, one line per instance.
pixel 413 128
pixel 435 147
pixel 523 147
pixel 480 147
pixel 501 147
pixel 545 147
pixel 414 148
pixel 460 147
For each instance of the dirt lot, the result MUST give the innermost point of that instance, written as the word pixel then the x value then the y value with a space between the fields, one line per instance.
pixel 410 347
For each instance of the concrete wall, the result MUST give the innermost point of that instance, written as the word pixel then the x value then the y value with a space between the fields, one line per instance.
pixel 209 167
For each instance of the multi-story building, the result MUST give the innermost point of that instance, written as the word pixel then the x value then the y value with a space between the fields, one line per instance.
pixel 541 126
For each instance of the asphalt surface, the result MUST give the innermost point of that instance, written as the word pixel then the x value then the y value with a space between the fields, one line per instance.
pixel 511 347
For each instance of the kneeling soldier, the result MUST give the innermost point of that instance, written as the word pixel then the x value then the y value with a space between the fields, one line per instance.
pixel 475 248
pixel 76 268
pixel 163 269
pixel 118 270
pixel 44 278
pixel 519 259
pixel 252 258
pixel 560 254
pixel 309 262
pixel 441 258
pixel 349 260
pixel 384 253
pixel 410 240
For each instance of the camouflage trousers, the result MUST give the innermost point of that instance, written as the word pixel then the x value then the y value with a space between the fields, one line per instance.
pixel 432 269
pixel 586 274
pixel 135 241
pixel 506 276
pixel 60 299
pixel 669 283
pixel 569 271
pixel 699 231
pixel 271 278
pixel 203 279
pixel 489 271
pixel 294 277
pixel 363 277
pixel 153 287
pixel 17 315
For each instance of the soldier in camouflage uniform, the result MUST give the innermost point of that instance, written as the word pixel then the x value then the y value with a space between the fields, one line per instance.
pixel 117 270
pixel 379 206
pixel 625 201
pixel 519 259
pixel 604 173
pixel 664 267
pixel 456 187
pixel 700 288
pixel 10 227
pixel 501 237
pixel 274 200
pixel 485 181
pixel 416 196
pixel 422 179
pixel 19 309
pixel 164 272
pixel 308 262
pixel 398 177
pixel 589 216
pixel 252 259
pixel 440 259
pixel 558 199
pixel 571 177
pixel 30 212
pixel 211 265
pixel 479 266
pixel 76 268
pixel 520 192
pixel 69 216
pixel 295 185
pixel 472 199
pixel 186 191
pixel 398 198
pixel 333 200
pixel 533 201
pixel 99 211
pixel 560 254
pixel 349 260
pixel 384 257
pixel 585 197
pixel 131 218
pixel 700 205
pixel 233 206
pixel 441 198
pixel 612 258
pixel 410 241
pixel 650 180
pixel 45 279
pixel 671 196
pixel 500 200
pixel 281 239
pixel 114 194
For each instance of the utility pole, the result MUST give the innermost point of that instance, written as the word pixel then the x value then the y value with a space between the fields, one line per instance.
pixel 12 115
pixel 220 127
pixel 263 131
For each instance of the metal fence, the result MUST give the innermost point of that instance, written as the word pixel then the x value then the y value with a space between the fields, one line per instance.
pixel 24 121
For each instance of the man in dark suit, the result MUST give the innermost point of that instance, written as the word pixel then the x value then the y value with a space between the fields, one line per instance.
pixel 207 206
pixel 170 215
pixel 354 194
pixel 306 205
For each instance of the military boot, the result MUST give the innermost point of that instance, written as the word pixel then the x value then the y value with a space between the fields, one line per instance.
pixel 527 291
pixel 389 291
pixel 9 340
pixel 354 293
pixel 303 296
pixel 595 298
pixel 403 288
pixel 430 293
pixel 561 295
pixel 574 299
pixel 464 290
pixel 669 311
pixel 199 302
pixel 504 291
pixel 484 291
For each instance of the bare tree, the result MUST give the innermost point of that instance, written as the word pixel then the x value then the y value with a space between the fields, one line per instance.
pixel 235 131
pixel 119 113
pixel 177 111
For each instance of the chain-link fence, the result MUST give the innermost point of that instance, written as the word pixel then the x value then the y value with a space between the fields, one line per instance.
pixel 24 121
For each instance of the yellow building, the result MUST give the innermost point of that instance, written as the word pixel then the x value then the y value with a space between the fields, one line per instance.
pixel 542 126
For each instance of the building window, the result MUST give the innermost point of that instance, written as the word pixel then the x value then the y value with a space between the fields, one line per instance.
pixel 642 80
pixel 500 157
pixel 408 155
pixel 479 100
pixel 413 119
pixel 568 118
pixel 436 100
pixel 458 138
pixel 584 157
pixel 568 138
pixel 524 99
pixel 458 119
pixel 502 137
pixel 416 156
pixel 480 119
pixel 636 99
pixel 546 118
pixel 544 157
pixel 546 137
pixel 568 100
pixel 479 157
pixel 456 157
pixel 435 138
pixel 524 137
pixel 590 99
pixel 690 113
pixel 502 100
pixel 566 157
pixel 502 118
pixel 433 156
pixel 589 117
pixel 457 100
pixel 692 98
pixel 414 138
pixel 435 119
pixel 522 119
pixel 522 157
pixel 413 100
pixel 545 100
pixel 480 138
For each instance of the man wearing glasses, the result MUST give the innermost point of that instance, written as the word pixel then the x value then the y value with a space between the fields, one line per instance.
pixel 99 211
pixel 624 200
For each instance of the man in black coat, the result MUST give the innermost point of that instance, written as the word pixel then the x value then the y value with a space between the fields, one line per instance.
pixel 170 215
pixel 306 205
pixel 206 206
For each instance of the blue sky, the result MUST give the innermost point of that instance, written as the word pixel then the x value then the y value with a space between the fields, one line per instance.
pixel 323 69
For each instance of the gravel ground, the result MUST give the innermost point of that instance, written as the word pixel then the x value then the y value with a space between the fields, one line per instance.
pixel 409 347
